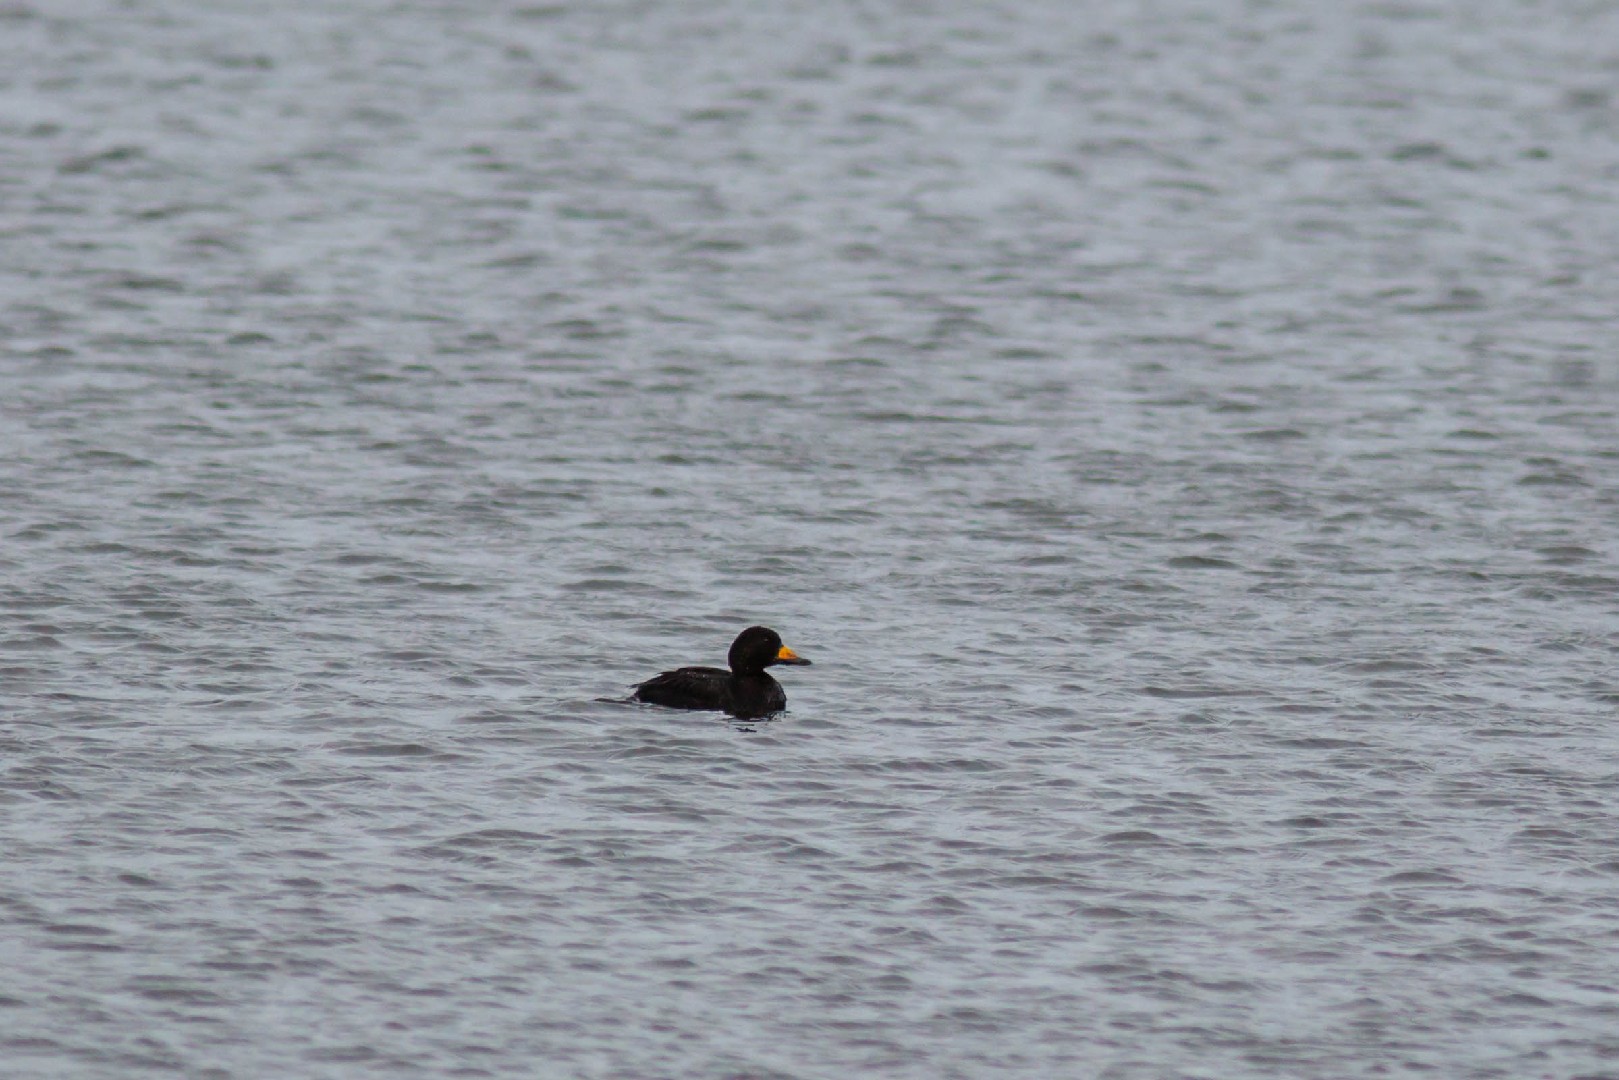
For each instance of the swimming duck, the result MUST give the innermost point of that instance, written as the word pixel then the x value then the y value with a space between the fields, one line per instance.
pixel 744 691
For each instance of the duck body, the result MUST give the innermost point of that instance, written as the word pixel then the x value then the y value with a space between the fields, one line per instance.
pixel 714 688
pixel 745 691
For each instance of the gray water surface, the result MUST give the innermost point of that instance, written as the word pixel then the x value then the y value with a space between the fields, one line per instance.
pixel 1184 435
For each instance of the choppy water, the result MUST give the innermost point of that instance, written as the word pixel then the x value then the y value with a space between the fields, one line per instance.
pixel 1182 434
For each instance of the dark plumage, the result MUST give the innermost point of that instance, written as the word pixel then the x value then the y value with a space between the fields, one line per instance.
pixel 745 690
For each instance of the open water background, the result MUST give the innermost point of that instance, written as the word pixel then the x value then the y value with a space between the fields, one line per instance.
pixel 1183 434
